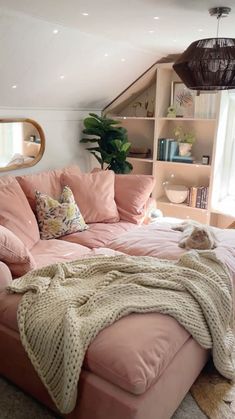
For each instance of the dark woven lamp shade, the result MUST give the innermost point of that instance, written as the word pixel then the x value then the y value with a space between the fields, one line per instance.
pixel 208 64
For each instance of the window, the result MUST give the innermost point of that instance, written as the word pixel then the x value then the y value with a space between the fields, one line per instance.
pixel 226 201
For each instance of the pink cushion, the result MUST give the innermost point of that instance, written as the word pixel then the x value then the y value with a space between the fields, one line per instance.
pixel 15 212
pixel 5 276
pixel 131 196
pixel 94 194
pixel 100 234
pixel 46 252
pixel 45 182
pixel 14 253
pixel 133 352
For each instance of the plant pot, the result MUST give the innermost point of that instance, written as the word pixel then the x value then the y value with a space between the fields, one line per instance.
pixel 185 149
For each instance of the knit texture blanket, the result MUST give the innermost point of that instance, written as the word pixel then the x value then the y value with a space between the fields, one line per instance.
pixel 66 305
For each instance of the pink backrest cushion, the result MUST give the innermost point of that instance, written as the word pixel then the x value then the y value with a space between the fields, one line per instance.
pixel 131 195
pixel 46 182
pixel 14 253
pixel 5 276
pixel 94 195
pixel 15 212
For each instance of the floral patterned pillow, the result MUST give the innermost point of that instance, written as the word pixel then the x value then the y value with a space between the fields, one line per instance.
pixel 58 218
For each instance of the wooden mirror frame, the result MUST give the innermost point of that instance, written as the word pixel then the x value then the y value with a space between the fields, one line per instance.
pixel 42 148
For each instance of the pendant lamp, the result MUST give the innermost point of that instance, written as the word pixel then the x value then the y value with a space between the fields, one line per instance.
pixel 209 64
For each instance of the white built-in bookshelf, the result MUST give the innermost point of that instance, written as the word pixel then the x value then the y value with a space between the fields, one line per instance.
pixel 156 87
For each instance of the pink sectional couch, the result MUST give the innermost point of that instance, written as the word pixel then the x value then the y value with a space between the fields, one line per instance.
pixel 142 366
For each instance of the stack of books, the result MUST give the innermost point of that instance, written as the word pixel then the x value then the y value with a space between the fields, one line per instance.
pixel 198 197
pixel 167 149
pixel 139 152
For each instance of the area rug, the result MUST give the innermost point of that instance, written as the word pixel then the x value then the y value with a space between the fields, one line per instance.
pixel 214 394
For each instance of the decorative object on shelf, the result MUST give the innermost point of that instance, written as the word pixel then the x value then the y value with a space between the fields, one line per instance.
pixel 185 140
pixel 176 194
pixel 150 109
pixel 139 152
pixel 209 64
pixel 205 159
pixel 135 106
pixel 113 146
pixel 182 99
pixel 171 112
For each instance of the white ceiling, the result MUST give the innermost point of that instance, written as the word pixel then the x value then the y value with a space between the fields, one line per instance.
pixel 33 58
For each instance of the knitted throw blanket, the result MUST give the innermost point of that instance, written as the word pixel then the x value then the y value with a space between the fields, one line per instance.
pixel 66 305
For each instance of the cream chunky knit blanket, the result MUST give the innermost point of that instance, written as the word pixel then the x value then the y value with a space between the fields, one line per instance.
pixel 66 305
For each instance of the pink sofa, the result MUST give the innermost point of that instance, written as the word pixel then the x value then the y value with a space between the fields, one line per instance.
pixel 142 366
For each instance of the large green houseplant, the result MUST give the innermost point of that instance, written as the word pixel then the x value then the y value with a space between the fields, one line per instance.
pixel 112 143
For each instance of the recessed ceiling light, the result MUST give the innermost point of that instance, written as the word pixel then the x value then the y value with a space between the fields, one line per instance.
pixel 200 30
pixel 14 86
pixel 123 59
pixel 106 54
pixel 55 31
pixel 85 14
pixel 151 31
pixel 62 77
pixel 156 17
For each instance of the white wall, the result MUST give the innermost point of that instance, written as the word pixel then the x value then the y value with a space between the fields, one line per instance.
pixel 62 130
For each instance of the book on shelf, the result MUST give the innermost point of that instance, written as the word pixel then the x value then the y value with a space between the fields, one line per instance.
pixel 167 149
pixel 183 159
pixel 198 197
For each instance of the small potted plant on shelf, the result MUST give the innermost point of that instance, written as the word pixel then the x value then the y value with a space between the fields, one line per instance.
pixel 112 146
pixel 185 140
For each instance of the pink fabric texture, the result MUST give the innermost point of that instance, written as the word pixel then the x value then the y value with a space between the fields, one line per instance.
pixel 16 214
pixel 131 195
pixel 94 194
pixel 99 234
pixel 14 253
pixel 45 182
pixel 134 351
pixel 5 276
pixel 47 252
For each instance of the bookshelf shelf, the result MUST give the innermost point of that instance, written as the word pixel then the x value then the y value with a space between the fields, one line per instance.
pixel 134 117
pixel 193 165
pixel 147 160
pixel 163 118
pixel 164 200
pixel 156 134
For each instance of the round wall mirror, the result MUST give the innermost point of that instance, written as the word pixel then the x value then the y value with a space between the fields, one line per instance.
pixel 22 143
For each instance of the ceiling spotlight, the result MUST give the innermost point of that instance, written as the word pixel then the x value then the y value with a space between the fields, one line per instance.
pixel 156 17
pixel 62 77
pixel 85 14
pixel 55 31
pixel 151 31
pixel 106 55
pixel 123 59
pixel 14 86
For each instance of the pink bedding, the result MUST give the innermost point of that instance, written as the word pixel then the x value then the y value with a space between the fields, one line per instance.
pixel 99 234
pixel 160 241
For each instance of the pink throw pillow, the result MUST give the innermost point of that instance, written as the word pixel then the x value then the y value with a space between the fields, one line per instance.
pixel 131 195
pixel 14 253
pixel 16 214
pixel 94 195
pixel 46 182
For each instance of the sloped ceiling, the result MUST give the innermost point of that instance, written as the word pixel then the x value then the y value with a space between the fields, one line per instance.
pixel 93 57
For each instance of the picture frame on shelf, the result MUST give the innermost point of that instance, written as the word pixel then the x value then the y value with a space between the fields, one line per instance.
pixel 182 99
